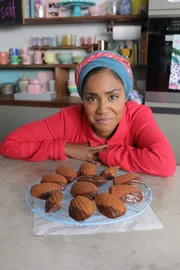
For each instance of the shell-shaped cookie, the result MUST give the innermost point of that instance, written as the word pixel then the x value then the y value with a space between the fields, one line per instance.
pixel 110 172
pixel 86 189
pixel 109 206
pixel 126 193
pixel 53 203
pixel 132 179
pixel 87 168
pixel 81 208
pixel 67 172
pixel 97 180
pixel 43 190
pixel 55 178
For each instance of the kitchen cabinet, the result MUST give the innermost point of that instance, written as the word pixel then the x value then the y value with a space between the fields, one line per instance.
pixel 169 124
pixel 13 117
pixel 163 8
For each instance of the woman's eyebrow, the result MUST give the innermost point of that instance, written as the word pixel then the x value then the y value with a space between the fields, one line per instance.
pixel 114 90
pixel 107 93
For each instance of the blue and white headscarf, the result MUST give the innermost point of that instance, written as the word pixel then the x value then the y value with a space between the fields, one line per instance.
pixel 110 60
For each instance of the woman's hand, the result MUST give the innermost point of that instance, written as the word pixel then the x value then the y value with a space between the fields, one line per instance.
pixel 84 152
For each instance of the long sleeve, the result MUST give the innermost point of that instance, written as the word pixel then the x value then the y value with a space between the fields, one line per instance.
pixel 151 152
pixel 37 141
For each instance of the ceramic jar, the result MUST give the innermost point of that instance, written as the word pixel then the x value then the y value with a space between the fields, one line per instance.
pixel 23 84
pixel 34 86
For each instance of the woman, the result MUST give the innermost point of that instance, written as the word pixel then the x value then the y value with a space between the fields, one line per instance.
pixel 107 127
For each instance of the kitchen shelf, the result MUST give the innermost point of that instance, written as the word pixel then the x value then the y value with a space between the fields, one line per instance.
pixel 85 19
pixel 44 48
pixel 65 66
pixel 60 102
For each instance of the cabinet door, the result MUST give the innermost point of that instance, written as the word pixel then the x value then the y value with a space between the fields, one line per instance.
pixel 163 4
pixel 13 117
pixel 169 124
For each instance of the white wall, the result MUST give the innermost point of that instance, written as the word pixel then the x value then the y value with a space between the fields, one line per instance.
pixel 19 36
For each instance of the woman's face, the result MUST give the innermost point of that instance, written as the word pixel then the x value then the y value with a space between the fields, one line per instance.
pixel 104 99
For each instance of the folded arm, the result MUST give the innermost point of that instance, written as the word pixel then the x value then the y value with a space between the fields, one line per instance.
pixel 37 141
pixel 151 153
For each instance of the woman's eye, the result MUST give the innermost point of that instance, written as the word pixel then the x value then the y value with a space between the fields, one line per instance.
pixel 112 97
pixel 91 99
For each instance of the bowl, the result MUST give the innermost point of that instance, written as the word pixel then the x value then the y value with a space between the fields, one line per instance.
pixel 64 57
pixel 95 10
pixel 7 88
pixel 77 59
pixel 72 89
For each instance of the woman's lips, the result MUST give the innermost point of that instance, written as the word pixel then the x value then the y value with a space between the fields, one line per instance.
pixel 104 120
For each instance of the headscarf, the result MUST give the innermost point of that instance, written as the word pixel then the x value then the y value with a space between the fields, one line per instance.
pixel 108 59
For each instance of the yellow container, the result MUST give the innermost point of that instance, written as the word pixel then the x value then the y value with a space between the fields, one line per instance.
pixel 67 40
pixel 137 5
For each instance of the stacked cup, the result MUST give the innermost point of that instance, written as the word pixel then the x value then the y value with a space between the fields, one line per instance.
pixel 14 56
pixel 71 86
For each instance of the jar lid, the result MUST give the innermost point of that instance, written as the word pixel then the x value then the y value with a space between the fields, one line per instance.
pixel 24 78
pixel 34 81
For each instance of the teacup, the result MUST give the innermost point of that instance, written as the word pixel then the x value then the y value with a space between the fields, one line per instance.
pixel 49 58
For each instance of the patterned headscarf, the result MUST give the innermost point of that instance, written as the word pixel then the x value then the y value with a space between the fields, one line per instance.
pixel 110 60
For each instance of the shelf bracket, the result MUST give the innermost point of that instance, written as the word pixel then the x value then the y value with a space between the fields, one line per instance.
pixel 110 28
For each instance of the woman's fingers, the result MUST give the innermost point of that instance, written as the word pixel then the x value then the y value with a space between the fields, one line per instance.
pixel 99 147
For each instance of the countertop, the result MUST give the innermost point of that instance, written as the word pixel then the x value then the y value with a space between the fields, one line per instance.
pixel 133 250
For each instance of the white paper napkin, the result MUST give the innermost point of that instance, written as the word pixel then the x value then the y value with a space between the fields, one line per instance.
pixel 145 221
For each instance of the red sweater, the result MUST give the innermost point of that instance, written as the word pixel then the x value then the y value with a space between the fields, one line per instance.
pixel 138 144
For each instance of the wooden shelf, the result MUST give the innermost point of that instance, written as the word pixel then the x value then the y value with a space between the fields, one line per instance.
pixel 44 48
pixel 38 66
pixel 43 66
pixel 86 19
pixel 60 102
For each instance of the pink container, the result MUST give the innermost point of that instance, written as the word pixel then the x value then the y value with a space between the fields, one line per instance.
pixel 3 58
pixel 34 87
pixel 95 10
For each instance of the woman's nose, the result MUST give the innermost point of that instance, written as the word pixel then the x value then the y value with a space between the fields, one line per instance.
pixel 102 107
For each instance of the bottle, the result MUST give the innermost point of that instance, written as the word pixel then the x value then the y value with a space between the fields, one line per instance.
pixel 130 45
pixel 41 11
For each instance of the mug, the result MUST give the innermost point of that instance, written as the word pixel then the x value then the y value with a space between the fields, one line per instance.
pixel 39 57
pixel 14 60
pixel 49 58
pixel 13 52
pixel 26 59
pixel 24 51
pixel 3 58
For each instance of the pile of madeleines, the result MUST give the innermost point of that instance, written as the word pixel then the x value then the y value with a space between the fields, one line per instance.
pixel 84 190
